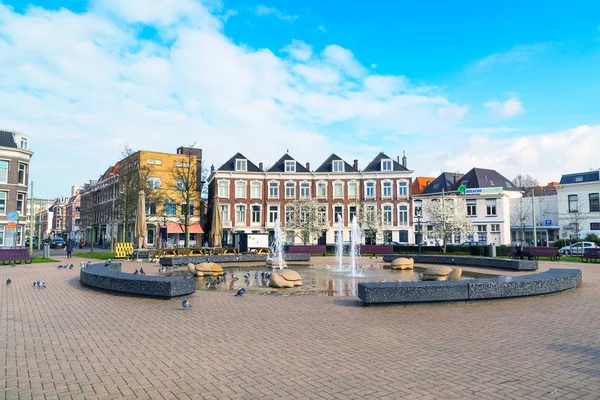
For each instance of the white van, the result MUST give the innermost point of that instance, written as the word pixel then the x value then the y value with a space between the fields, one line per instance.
pixel 432 242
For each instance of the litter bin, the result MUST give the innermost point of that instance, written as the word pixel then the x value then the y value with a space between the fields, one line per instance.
pixel 492 250
pixel 46 250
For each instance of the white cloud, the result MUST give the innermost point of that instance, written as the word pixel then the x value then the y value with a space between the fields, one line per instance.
pixel 264 10
pixel 83 84
pixel 504 109
pixel 517 54
pixel 322 28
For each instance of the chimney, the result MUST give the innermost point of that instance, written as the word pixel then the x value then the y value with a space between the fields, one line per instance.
pixel 308 166
pixel 356 165
pixel 404 159
pixel 260 166
pixel 456 176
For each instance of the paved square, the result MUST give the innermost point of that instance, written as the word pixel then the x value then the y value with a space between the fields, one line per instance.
pixel 69 341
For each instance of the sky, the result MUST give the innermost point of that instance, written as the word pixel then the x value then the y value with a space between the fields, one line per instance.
pixel 512 85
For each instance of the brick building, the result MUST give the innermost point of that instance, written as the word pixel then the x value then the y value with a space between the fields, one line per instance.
pixel 252 198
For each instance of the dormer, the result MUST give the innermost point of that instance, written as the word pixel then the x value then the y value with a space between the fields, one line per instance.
pixel 290 166
pixel 387 164
pixel 241 165
pixel 337 166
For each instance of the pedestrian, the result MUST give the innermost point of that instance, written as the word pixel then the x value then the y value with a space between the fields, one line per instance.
pixel 519 250
pixel 69 247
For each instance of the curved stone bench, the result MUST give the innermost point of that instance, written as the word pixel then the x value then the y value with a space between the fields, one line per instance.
pixel 111 278
pixel 227 258
pixel 489 262
pixel 553 280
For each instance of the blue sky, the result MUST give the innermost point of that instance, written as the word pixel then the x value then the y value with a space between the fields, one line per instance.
pixel 454 84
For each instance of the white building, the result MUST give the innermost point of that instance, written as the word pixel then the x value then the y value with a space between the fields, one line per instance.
pixel 546 220
pixel 579 204
pixel 487 195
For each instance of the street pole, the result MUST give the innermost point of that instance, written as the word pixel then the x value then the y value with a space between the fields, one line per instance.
pixel 31 227
pixel 40 233
pixel 533 217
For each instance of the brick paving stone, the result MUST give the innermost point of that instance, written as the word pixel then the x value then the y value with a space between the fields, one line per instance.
pixel 70 341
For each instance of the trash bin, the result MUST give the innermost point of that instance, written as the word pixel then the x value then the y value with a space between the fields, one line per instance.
pixel 492 250
pixel 46 250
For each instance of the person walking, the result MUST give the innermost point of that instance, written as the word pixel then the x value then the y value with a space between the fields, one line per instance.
pixel 69 247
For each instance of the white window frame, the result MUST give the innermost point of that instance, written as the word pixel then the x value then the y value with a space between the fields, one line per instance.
pixel 367 195
pixel 491 205
pixel 352 184
pixel 337 166
pixel 304 190
pixel 223 189
pixel 241 164
pixel 403 211
pixel 151 182
pixel 7 168
pixel 2 234
pixel 24 170
pixel 25 141
pixel 290 190
pixel 290 166
pixel 319 185
pixel 471 202
pixel 225 216
pixel 322 214
pixel 386 162
pixel 340 185
pixel 255 185
pixel 23 203
pixel 270 213
pixel 241 189
pixel 391 214
pixel 157 162
pixel 335 214
pixel 238 208
pixel 275 188
pixel 150 161
pixel 390 194
pixel 252 214
pixel 350 213
pixel 402 185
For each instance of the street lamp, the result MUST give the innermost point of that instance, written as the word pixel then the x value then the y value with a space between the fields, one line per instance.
pixel 165 236
pixel 419 217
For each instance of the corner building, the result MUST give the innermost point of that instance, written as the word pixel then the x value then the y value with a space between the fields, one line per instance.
pixel 252 198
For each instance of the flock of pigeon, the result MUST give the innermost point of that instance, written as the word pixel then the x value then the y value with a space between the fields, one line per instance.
pixel 42 285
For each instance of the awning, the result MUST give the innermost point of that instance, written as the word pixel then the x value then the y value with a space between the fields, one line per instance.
pixel 180 228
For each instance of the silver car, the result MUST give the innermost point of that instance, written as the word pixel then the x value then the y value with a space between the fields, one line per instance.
pixel 577 249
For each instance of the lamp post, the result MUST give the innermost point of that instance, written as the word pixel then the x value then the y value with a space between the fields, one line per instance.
pixel 419 217
pixel 165 236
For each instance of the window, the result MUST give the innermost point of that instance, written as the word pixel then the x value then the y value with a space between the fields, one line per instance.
pixel 151 161
pixel 418 208
pixel 256 214
pixel 490 205
pixel 2 235
pixel 180 184
pixel 482 233
pixel 273 190
pixel 20 203
pixel 594 202
pixel 352 213
pixel 290 166
pixel 403 215
pixel 386 165
pixel 403 237
pixel 338 189
pixel 255 190
pixel 273 213
pixel 240 214
pixel 240 190
pixel 402 189
pixel 321 189
pixel 370 189
pixel 387 215
pixel 3 171
pixel 290 190
pixel 24 143
pixel 579 178
pixel 595 226
pixel 352 190
pixel 573 203
pixel 150 208
pixel 153 182
pixel 170 208
pixel 472 207
pixel 22 171
pixel 338 166
pixel 225 213
pixel 182 164
pixel 338 212
pixel 241 165
pixel 3 203
pixel 184 208
pixel 322 214
pixel 495 228
pixel 289 215
pixel 224 189
pixel 387 189
pixel 159 162
pixel 305 190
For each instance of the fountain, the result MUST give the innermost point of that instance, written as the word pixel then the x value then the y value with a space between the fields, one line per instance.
pixel 339 245
pixel 355 248
pixel 276 256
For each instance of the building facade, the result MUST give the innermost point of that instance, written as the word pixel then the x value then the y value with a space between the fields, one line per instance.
pixel 578 198
pixel 487 195
pixel 252 198
pixel 109 205
pixel 15 156
pixel 73 215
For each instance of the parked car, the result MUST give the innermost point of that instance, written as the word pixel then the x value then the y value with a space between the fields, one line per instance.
pixel 394 244
pixel 432 242
pixel 35 241
pixel 577 248
pixel 57 243
pixel 473 243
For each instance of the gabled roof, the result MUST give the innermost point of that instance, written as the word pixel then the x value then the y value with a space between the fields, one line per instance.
pixel 110 171
pixel 443 182
pixel 7 139
pixel 230 164
pixel 328 167
pixel 279 166
pixel 581 177
pixel 420 183
pixel 484 178
pixel 375 165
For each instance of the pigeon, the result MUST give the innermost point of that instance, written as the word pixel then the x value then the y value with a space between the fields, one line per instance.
pixel 34 284
pixel 106 264
pixel 262 275
pixel 186 304
pixel 241 292
pixel 59 266
pixel 42 284
pixel 247 275
pixel 8 281
pixel 256 275
pixel 234 277
pixel 219 279
pixel 71 266
pixel 142 271
pixel 88 263
pixel 136 272
pixel 224 273
pixel 13 265
pixel 162 270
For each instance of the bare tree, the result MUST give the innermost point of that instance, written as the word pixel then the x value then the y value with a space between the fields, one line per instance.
pixel 526 183
pixel 520 215
pixel 303 219
pixel 576 217
pixel 448 217
pixel 370 219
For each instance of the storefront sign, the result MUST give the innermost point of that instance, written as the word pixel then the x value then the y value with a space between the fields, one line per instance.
pixel 491 190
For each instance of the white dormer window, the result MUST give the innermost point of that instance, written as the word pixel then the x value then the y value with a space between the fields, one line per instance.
pixel 24 143
pixel 241 165
pixel 386 165
pixel 338 166
pixel 290 166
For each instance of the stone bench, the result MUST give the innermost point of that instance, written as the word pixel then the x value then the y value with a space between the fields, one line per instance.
pixel 553 280
pixel 488 262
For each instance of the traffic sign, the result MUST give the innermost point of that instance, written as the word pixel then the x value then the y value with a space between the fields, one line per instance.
pixel 11 225
pixel 12 216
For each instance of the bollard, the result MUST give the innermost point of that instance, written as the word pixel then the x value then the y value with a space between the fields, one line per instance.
pixel 46 250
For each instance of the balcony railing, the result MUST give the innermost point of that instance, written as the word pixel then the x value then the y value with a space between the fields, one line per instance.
pixel 226 224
